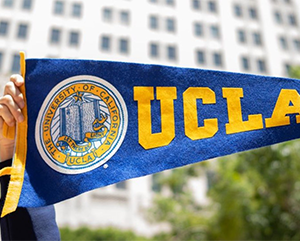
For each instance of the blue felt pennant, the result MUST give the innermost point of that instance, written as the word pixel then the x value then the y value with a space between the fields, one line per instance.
pixel 95 123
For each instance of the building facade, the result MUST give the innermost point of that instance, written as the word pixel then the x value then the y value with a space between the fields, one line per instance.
pixel 251 36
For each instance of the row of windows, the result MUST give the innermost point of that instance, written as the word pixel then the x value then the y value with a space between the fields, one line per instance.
pixel 56 37
pixel 201 58
pixel 282 1
pixel 243 37
pixel 26 4
pixel 22 30
pixel 108 15
pixel 155 51
pixel 106 44
pixel 155 23
pixel 253 65
pixel 59 8
pixel 287 44
pixel 240 12
pixel 199 30
pixel 166 2
pixel 279 19
pixel 211 5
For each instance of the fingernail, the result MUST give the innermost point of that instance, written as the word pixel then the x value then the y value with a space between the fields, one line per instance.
pixel 19 79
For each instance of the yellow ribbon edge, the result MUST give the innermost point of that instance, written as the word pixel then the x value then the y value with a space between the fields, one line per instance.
pixel 19 160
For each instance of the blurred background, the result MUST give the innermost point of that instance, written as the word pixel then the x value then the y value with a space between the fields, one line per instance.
pixel 253 195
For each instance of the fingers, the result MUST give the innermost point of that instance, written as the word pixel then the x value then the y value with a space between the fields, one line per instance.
pixel 10 111
pixel 17 79
pixel 12 101
pixel 14 92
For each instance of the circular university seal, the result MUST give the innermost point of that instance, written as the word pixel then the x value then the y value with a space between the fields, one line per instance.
pixel 81 124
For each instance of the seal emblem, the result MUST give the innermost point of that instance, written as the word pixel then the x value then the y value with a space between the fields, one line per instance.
pixel 81 124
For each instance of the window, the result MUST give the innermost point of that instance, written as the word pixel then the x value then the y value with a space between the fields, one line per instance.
pixel 121 185
pixel 297 44
pixel 1 60
pixel 27 4
pixel 124 15
pixel 198 29
pixel 283 43
pixel 74 38
pixel 253 13
pixel 156 183
pixel 105 43
pixel 170 25
pixel 196 4
pixel 55 36
pixel 257 39
pixel 245 63
pixel 123 47
pixel 58 8
pixel 217 59
pixel 261 65
pixel 15 66
pixel 238 11
pixel 242 36
pixel 22 31
pixel 107 14
pixel 278 17
pixel 171 50
pixel 4 28
pixel 153 22
pixel 214 30
pixel 292 20
pixel 76 10
pixel 170 2
pixel 212 6
pixel 154 50
pixel 8 3
pixel 287 69
pixel 200 57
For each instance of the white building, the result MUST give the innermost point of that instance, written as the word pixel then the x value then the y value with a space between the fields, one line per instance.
pixel 253 36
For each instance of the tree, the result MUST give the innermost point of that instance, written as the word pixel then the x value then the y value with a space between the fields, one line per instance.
pixel 253 195
pixel 256 194
pixel 186 218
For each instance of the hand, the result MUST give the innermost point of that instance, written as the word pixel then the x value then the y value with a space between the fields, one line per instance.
pixel 11 104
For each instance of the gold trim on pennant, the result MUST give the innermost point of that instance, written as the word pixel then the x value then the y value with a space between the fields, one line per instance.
pixel 16 172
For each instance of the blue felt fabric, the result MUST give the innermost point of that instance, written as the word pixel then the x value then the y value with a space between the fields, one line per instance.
pixel 44 186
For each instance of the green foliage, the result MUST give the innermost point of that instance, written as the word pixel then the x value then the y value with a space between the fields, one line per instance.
pixel 294 72
pixel 186 218
pixel 107 234
pixel 254 195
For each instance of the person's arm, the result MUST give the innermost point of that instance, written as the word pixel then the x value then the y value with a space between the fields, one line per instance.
pixel 24 223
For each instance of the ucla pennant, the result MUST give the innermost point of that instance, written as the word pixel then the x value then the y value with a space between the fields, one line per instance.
pixel 81 124
pixel 138 119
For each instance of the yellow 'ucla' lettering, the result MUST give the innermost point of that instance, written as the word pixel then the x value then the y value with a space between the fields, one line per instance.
pixel 190 97
pixel 235 121
pixel 283 108
pixel 288 102
pixel 166 95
